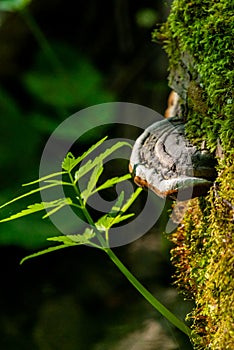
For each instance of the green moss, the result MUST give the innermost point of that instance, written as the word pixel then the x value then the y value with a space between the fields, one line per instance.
pixel 207 273
pixel 198 40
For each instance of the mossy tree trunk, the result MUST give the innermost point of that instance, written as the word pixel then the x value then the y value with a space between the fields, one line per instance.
pixel 198 40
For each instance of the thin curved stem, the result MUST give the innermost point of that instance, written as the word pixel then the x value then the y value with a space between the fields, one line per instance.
pixel 147 295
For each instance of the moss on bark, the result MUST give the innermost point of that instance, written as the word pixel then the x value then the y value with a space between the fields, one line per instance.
pixel 198 40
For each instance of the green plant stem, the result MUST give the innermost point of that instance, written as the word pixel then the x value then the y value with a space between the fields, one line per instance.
pixel 86 212
pixel 147 295
pixel 82 205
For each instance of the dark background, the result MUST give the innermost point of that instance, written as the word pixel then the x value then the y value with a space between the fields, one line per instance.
pixel 76 298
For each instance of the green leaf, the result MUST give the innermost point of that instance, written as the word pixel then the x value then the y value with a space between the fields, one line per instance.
pixel 132 199
pixel 83 238
pixel 108 220
pixel 45 251
pixel 114 216
pixel 58 182
pixel 45 178
pixel 67 240
pixel 112 182
pixel 63 203
pixel 105 222
pixel 62 239
pixel 91 164
pixel 118 219
pixel 70 162
pixel 28 194
pixel 33 208
pixel 117 206
pixel 75 239
pixel 92 182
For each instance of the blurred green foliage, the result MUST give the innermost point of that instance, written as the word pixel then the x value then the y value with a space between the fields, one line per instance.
pixel 147 17
pixel 13 5
pixel 46 78
pixel 75 83
pixel 49 303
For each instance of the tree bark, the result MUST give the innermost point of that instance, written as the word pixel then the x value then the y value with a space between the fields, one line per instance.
pixel 197 38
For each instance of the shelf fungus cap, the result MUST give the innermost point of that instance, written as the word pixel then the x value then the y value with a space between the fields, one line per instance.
pixel 165 161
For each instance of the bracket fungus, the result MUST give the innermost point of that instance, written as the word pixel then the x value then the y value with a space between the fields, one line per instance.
pixel 164 161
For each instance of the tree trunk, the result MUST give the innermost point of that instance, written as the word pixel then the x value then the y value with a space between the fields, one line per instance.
pixel 197 38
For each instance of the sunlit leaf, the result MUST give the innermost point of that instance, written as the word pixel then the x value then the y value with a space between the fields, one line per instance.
pixel 45 251
pixel 92 182
pixel 33 208
pixel 118 219
pixel 117 206
pixel 70 162
pixel 91 164
pixel 130 201
pixel 58 182
pixel 45 178
pixel 108 220
pixel 75 239
pixel 67 240
pixel 28 194
pixel 62 239
pixel 112 182
pixel 114 216
pixel 83 238
pixel 67 201
pixel 104 222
